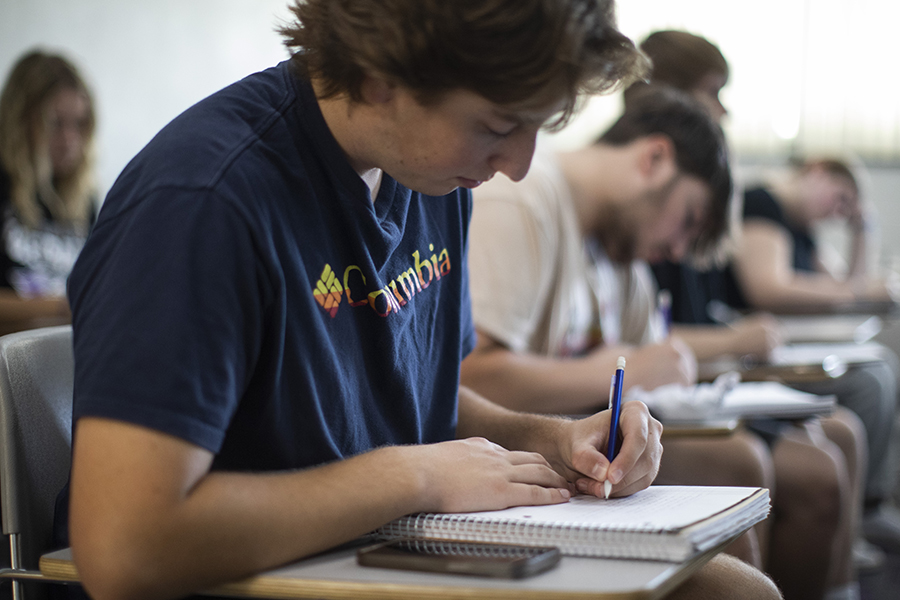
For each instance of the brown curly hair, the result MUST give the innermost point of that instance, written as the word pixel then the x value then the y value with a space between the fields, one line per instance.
pixel 512 52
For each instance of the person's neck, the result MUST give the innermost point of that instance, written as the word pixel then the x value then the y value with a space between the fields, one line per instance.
pixel 591 172
pixel 788 193
pixel 352 129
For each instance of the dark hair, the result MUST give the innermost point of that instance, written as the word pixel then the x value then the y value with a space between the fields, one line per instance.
pixel 832 166
pixel 512 52
pixel 700 149
pixel 682 59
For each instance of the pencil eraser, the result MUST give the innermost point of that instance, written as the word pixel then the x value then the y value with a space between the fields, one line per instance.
pixel 620 362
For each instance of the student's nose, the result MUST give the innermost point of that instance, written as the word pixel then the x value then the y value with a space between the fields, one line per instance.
pixel 678 249
pixel 514 157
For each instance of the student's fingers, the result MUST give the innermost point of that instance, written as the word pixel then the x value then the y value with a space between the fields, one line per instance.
pixel 533 495
pixel 523 458
pixel 641 449
pixel 475 474
pixel 639 452
pixel 596 488
pixel 537 474
pixel 588 461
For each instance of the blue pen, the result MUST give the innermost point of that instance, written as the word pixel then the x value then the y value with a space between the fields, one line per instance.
pixel 615 411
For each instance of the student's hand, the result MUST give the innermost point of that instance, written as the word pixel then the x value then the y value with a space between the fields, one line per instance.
pixel 669 361
pixel 756 335
pixel 475 474
pixel 635 466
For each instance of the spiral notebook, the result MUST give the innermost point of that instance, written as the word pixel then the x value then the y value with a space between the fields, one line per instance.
pixel 669 523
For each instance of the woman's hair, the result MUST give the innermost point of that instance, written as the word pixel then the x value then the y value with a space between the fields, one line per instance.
pixel 682 59
pixel 830 165
pixel 24 130
pixel 512 52
pixel 699 146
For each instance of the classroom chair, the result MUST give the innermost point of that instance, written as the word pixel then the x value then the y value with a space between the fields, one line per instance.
pixel 36 381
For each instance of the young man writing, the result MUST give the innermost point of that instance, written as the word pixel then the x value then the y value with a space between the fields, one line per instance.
pixel 560 288
pixel 271 311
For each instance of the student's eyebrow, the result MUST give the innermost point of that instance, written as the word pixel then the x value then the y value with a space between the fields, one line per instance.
pixel 517 118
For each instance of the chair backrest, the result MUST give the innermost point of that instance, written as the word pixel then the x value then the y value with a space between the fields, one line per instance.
pixel 36 381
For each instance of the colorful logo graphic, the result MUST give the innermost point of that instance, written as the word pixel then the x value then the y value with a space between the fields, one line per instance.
pixel 328 291
pixel 387 299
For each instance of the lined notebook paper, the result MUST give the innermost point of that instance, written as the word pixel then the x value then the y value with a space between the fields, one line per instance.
pixel 659 523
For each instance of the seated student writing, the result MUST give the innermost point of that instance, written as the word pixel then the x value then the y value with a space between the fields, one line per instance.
pixel 693 64
pixel 270 314
pixel 560 288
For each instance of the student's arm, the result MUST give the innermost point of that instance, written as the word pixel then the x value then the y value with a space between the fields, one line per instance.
pixel 571 385
pixel 149 520
pixel 572 446
pixel 756 335
pixel 764 269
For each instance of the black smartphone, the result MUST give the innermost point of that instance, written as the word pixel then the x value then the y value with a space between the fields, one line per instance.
pixel 468 558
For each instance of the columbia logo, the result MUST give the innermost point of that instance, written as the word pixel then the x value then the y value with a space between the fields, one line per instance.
pixel 328 291
pixel 387 299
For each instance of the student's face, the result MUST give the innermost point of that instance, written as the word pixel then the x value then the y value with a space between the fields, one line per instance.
pixel 706 92
pixel 668 230
pixel 66 130
pixel 461 141
pixel 829 196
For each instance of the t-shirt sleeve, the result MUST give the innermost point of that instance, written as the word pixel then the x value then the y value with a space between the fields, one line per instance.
pixel 510 253
pixel 168 300
pixel 759 204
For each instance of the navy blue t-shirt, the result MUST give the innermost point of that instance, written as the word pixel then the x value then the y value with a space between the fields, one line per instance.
pixel 242 292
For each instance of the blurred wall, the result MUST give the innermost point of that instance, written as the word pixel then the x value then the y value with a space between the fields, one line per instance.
pixel 145 60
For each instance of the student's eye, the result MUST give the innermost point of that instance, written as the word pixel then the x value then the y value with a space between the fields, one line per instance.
pixel 500 131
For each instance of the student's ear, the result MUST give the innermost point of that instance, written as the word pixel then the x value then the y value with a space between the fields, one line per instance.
pixel 376 90
pixel 656 160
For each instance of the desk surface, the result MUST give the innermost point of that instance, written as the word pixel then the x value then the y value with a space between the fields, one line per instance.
pixel 830 328
pixel 787 374
pixel 336 576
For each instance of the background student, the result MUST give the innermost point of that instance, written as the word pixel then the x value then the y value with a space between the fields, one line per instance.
pixel 560 287
pixel 777 264
pixel 270 313
pixel 46 187
pixel 695 65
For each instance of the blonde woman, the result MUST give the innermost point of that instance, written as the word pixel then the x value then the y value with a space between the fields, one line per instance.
pixel 46 187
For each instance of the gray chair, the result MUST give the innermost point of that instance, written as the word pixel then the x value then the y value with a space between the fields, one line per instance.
pixel 36 380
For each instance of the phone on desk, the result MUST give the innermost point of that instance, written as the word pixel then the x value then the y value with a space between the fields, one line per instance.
pixel 465 558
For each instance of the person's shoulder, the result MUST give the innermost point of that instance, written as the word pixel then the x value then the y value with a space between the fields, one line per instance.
pixel 760 203
pixel 224 132
pixel 221 126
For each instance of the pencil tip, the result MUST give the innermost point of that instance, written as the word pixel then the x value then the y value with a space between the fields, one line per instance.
pixel 607 488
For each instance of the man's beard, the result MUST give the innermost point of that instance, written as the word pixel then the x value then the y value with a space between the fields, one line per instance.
pixel 617 234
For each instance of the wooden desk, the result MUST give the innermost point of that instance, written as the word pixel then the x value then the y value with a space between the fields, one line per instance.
pixel 700 429
pixel 336 576
pixel 863 307
pixel 786 374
